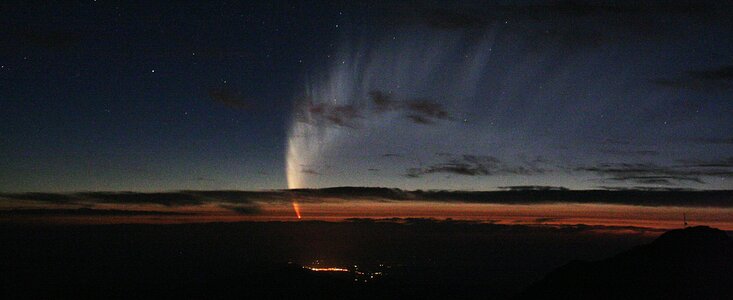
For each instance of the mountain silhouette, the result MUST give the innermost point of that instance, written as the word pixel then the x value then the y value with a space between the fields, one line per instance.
pixel 690 263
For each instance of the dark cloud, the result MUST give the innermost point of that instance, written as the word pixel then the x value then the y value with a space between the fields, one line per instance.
pixel 87 212
pixel 426 109
pixel 179 198
pixel 348 193
pixel 533 188
pixel 231 197
pixel 646 188
pixel 697 163
pixel 248 202
pixel 420 111
pixel 650 173
pixel 326 114
pixel 544 220
pixel 310 171
pixel 646 197
pixel 382 101
pixel 621 152
pixel 229 98
pixel 391 155
pixel 244 209
pixel 470 165
pixel 479 165
pixel 418 119
pixel 167 199
pixel 41 197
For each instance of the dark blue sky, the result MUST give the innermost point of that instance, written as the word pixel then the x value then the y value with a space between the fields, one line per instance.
pixel 160 96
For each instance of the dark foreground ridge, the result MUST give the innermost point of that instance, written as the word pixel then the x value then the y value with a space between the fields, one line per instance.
pixel 690 263
pixel 409 259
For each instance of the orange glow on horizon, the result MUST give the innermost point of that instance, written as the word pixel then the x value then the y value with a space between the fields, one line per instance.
pixel 542 214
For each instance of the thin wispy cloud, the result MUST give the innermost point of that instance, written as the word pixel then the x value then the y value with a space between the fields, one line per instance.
pixel 479 165
pixel 420 111
pixel 695 171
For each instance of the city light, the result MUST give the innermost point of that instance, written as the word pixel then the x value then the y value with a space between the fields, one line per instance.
pixel 331 269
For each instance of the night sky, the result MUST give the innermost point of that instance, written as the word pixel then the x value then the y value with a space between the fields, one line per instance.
pixel 148 96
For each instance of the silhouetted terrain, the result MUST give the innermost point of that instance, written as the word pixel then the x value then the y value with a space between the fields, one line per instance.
pixel 690 263
pixel 427 258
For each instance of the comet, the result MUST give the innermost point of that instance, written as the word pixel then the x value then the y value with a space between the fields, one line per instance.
pixel 335 101
pixel 305 147
pixel 296 208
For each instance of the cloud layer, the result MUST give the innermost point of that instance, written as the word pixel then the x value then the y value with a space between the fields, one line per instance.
pixel 250 202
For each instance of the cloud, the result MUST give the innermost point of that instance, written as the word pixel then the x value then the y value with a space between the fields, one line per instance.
pixel 166 199
pixel 426 110
pixel 382 101
pixel 385 155
pixel 470 165
pixel 244 209
pixel 658 197
pixel 329 115
pixel 170 199
pixel 697 163
pixel 620 152
pixel 249 202
pixel 544 220
pixel 88 212
pixel 310 171
pixel 533 188
pixel 41 197
pixel 650 173
pixel 419 111
pixel 646 188
pixel 478 165
pixel 236 197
